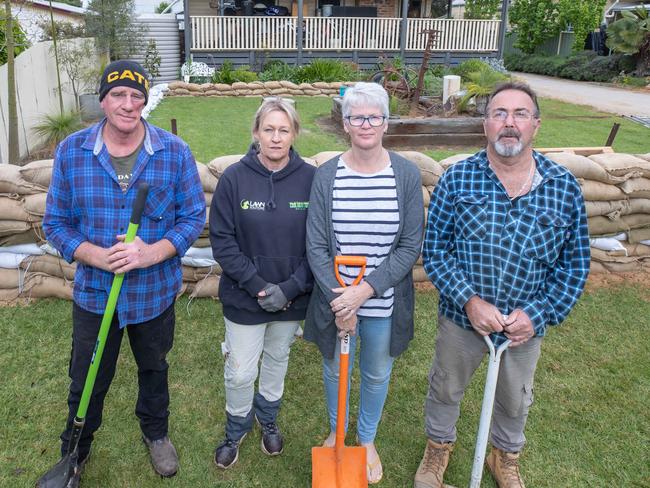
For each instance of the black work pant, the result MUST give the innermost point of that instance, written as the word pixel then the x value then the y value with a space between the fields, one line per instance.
pixel 150 342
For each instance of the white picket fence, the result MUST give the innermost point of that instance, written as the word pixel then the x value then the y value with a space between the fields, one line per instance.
pixel 211 33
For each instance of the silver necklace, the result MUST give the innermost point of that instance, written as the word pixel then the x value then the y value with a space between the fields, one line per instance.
pixel 529 179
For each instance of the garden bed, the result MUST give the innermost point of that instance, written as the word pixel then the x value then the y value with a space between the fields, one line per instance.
pixel 429 131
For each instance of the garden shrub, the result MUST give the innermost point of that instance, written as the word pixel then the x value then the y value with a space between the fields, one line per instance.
pixel 277 70
pixel 575 65
pixel 228 75
pixel 470 66
pixel 327 70
pixel 585 65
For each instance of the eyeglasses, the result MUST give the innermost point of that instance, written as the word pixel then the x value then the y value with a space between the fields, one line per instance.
pixel 518 115
pixel 122 96
pixel 373 120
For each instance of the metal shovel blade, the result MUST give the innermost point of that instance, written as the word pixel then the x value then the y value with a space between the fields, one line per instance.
pixel 347 470
pixel 64 474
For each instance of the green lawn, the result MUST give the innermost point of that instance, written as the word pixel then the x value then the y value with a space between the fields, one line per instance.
pixel 589 426
pixel 218 126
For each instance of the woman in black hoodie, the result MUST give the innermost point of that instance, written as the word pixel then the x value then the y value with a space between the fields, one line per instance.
pixel 257 231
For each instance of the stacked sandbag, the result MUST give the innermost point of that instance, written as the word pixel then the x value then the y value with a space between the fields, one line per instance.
pixel 255 89
pixel 26 271
pixel 201 273
pixel 23 191
pixel 616 188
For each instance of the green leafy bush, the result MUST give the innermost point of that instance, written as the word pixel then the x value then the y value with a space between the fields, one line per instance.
pixel 277 70
pixel 585 65
pixel 432 85
pixel 327 70
pixel 575 65
pixel 228 75
pixel 244 74
pixel 470 66
pixel 20 39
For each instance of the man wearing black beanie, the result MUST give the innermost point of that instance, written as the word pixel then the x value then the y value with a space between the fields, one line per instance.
pixel 124 73
pixel 95 179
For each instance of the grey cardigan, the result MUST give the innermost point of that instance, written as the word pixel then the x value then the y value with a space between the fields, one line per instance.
pixel 394 271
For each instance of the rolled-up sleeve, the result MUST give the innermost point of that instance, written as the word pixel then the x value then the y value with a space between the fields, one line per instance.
pixel 189 205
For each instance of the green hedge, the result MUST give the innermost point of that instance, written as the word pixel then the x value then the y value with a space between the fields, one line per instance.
pixel 582 66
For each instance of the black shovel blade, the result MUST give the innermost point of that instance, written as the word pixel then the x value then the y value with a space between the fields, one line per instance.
pixel 64 474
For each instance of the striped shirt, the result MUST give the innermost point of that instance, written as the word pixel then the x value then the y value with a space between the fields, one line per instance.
pixel 365 218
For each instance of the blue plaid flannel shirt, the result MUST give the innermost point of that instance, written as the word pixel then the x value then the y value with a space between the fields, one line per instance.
pixel 85 203
pixel 531 253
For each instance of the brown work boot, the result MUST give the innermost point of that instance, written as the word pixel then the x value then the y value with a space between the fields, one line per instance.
pixel 433 465
pixel 504 467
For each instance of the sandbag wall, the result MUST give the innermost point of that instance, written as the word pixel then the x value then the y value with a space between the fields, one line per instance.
pixel 616 188
pixel 255 89
pixel 26 268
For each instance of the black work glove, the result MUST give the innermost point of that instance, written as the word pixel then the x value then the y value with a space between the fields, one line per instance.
pixel 274 300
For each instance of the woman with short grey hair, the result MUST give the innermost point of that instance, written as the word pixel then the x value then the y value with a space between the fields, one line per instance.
pixel 368 94
pixel 367 202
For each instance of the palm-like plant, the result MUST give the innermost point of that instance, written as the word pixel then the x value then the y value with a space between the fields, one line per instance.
pixel 631 35
pixel 54 128
pixel 480 85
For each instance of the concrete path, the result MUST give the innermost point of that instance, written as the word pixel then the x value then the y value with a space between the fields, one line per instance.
pixel 606 98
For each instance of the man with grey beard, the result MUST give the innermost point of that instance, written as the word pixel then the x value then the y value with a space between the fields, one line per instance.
pixel 507 247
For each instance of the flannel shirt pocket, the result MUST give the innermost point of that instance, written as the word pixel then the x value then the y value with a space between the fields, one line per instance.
pixel 550 233
pixel 471 215
pixel 159 206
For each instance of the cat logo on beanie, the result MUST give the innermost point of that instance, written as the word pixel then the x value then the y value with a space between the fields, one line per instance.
pixel 124 73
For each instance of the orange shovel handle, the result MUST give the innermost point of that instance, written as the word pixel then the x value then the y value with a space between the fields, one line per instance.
pixel 344 356
pixel 359 261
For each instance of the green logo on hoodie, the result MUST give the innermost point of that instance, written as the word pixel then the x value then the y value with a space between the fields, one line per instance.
pixel 299 205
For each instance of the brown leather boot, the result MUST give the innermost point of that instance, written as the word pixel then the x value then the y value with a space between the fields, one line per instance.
pixel 504 467
pixel 433 465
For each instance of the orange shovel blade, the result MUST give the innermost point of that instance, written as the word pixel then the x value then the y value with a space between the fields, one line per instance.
pixel 348 472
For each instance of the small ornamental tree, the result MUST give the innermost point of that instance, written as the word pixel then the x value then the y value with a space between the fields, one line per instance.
pixel 112 24
pixel 152 60
pixel 583 16
pixel 534 21
pixel 481 9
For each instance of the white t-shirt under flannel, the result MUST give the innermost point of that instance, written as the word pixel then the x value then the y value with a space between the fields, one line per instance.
pixel 365 215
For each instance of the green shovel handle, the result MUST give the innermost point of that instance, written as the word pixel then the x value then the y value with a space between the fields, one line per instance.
pixel 131 232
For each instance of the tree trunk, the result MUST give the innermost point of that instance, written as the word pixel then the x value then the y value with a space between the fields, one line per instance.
pixel 12 139
pixel 643 58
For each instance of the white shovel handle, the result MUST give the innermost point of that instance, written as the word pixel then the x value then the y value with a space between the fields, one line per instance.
pixel 486 409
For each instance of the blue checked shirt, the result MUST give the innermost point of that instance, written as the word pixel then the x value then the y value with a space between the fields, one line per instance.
pixel 531 253
pixel 85 203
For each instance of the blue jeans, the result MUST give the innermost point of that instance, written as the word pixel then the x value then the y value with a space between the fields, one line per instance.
pixel 375 364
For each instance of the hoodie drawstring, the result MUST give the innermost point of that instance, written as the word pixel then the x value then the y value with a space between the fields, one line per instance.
pixel 271 203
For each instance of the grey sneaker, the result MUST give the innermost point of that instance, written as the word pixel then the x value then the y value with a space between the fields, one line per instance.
pixel 164 458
